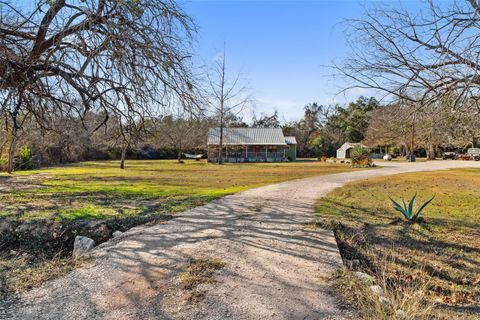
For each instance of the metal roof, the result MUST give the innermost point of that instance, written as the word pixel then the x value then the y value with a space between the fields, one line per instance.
pixel 290 140
pixel 348 145
pixel 247 136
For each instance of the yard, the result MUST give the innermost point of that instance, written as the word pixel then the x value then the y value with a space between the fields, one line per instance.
pixel 100 190
pixel 441 257
pixel 41 211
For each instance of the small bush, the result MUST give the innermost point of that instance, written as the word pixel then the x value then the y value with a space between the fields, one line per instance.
pixel 323 158
pixel 109 155
pixel 25 159
pixel 360 157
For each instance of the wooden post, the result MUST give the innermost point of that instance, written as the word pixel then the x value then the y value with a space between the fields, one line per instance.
pixel 246 153
pixel 266 154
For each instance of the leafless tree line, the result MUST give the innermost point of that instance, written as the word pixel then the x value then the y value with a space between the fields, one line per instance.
pixel 419 57
pixel 426 64
pixel 122 59
pixel 66 140
pixel 431 127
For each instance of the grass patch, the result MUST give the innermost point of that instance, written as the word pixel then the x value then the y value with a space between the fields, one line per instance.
pixel 441 254
pixel 406 302
pixel 22 273
pixel 199 271
pixel 100 190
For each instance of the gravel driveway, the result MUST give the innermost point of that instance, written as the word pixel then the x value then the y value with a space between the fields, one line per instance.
pixel 275 267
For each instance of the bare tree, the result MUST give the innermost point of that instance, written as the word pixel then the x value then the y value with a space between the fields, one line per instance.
pixel 120 58
pixel 417 56
pixel 226 96
pixel 181 132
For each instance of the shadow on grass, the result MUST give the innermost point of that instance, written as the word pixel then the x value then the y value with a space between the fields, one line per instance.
pixel 377 237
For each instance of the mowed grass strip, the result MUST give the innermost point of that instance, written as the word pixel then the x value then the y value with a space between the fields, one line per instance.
pixel 442 254
pixel 99 190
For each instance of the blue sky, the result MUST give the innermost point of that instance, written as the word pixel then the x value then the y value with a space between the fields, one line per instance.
pixel 282 48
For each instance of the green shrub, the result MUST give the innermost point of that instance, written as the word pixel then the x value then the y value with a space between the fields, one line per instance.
pixel 408 212
pixel 109 155
pixel 360 156
pixel 3 164
pixel 25 158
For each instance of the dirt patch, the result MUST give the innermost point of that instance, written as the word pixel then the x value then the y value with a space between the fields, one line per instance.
pixel 50 239
pixel 23 182
pixel 32 252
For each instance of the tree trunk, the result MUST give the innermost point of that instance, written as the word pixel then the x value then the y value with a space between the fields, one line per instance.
pixel 220 151
pixel 222 108
pixel 11 152
pixel 179 156
pixel 122 159
pixel 430 152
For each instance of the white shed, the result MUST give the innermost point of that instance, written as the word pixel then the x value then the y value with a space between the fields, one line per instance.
pixel 344 151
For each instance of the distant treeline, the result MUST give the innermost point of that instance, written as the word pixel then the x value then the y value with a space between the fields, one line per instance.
pixel 319 132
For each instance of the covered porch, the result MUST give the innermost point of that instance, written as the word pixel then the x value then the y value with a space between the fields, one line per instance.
pixel 248 153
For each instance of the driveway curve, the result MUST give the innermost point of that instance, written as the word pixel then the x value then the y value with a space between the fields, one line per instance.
pixel 275 268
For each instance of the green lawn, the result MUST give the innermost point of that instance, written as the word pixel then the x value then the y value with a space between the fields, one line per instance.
pixel 101 190
pixel 442 254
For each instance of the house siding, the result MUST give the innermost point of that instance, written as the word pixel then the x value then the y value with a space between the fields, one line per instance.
pixel 341 154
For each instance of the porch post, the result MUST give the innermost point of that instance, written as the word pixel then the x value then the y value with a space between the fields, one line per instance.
pixel 266 154
pixel 246 153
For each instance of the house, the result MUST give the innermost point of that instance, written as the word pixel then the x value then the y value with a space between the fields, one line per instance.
pixel 251 145
pixel 344 151
pixel 291 152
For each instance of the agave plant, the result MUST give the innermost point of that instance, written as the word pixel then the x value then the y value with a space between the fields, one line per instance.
pixel 407 210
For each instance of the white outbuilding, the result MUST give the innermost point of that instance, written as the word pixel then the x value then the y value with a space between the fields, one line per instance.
pixel 344 151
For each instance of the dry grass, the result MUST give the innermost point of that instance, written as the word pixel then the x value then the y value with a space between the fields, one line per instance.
pixel 402 303
pixel 199 271
pixel 442 254
pixel 23 273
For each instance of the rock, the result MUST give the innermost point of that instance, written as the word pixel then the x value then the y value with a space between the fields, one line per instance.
pixel 13 252
pixel 402 315
pixel 352 264
pixel 82 246
pixel 364 277
pixel 377 290
pixel 387 157
pixel 384 300
pixel 117 234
